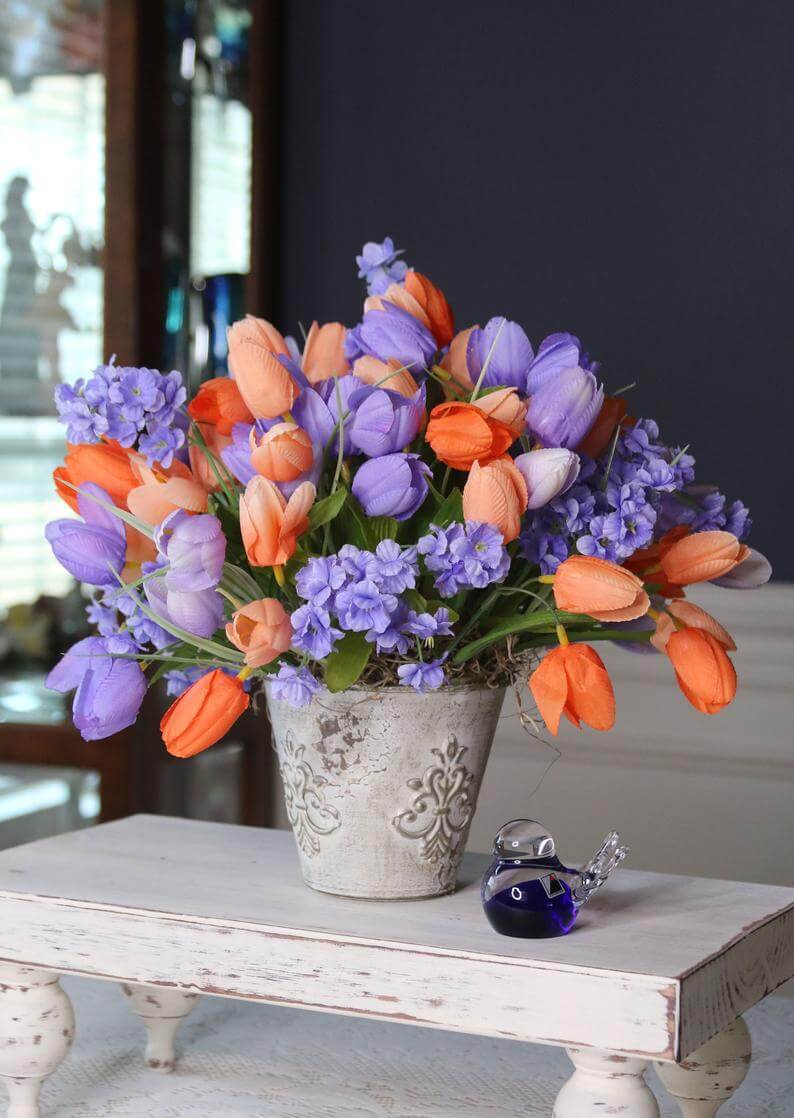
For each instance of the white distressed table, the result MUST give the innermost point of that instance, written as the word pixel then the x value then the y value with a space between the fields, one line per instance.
pixel 658 969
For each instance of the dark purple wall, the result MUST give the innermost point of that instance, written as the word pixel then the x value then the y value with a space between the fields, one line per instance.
pixel 617 169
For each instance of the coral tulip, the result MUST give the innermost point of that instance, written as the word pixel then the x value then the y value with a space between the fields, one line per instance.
pixel 270 524
pixel 455 361
pixel 505 405
pixel 158 495
pixel 219 402
pixel 598 438
pixel 105 464
pixel 283 453
pixel 496 494
pixel 605 591
pixel 324 352
pixel 702 556
pixel 265 383
pixel 461 434
pixel 691 617
pixel 573 681
pixel 203 714
pixel 204 470
pixel 262 630
pixel 548 473
pixel 703 669
pixel 385 374
pixel 435 305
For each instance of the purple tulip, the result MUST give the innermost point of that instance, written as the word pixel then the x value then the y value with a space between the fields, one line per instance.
pixel 548 473
pixel 394 485
pixel 555 353
pixel 236 457
pixel 384 421
pixel 565 407
pixel 392 332
pixel 511 354
pixel 194 547
pixel 91 549
pixel 752 572
pixel 200 612
pixel 109 691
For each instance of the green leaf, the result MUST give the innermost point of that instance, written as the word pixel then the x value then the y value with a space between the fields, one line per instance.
pixel 324 511
pixel 346 663
pixel 416 600
pixel 450 510
pixel 356 525
pixel 539 621
pixel 383 527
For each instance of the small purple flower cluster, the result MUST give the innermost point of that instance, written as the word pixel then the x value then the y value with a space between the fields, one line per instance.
pixel 129 405
pixel 380 266
pixel 464 556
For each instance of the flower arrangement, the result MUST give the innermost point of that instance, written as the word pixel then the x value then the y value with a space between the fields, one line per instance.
pixel 392 504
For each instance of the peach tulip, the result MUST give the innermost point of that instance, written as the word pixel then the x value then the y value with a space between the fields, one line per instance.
pixel 456 364
pixel 203 714
pixel 603 590
pixel 324 352
pixel 265 384
pixel 200 465
pixel 262 630
pixel 703 669
pixel 218 402
pixel 106 464
pixel 598 438
pixel 496 494
pixel 283 453
pixel 161 493
pixel 573 681
pixel 689 616
pixel 701 557
pixel 435 305
pixel 505 405
pixel 386 374
pixel 270 524
pixel 461 434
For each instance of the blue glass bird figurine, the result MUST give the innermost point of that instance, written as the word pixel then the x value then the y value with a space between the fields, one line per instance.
pixel 528 892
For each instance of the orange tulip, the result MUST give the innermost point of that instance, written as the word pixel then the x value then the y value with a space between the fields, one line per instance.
pixel 218 401
pixel 461 434
pixel 703 669
pixel 159 495
pixel 691 617
pixel 613 412
pixel 603 590
pixel 270 524
pixel 435 305
pixel 283 453
pixel 201 467
pixel 505 405
pixel 400 297
pixel 324 352
pixel 573 681
pixel 385 374
pixel 645 561
pixel 496 494
pixel 701 557
pixel 455 362
pixel 203 714
pixel 265 385
pixel 262 630
pixel 106 464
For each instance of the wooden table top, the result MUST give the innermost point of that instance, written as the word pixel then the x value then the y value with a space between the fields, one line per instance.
pixel 656 964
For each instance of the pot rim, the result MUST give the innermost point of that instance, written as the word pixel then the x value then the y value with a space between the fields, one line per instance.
pixel 392 689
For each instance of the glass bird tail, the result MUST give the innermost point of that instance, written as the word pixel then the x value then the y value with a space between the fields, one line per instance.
pixel 598 869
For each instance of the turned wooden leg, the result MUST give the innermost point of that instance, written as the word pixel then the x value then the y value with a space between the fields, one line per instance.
pixel 162 1012
pixel 36 1032
pixel 703 1081
pixel 605 1083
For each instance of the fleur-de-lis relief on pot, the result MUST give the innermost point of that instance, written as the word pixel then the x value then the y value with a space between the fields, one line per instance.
pixel 304 794
pixel 442 807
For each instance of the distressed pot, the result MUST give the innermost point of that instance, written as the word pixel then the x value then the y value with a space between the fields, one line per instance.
pixel 381 785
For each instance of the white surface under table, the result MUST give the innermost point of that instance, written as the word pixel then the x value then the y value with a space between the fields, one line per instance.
pixel 659 968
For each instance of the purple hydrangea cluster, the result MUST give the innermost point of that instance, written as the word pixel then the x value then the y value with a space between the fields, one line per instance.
pixel 464 556
pixel 129 405
pixel 380 266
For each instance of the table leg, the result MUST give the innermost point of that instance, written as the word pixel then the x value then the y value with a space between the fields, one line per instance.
pixel 36 1032
pixel 605 1083
pixel 162 1011
pixel 703 1081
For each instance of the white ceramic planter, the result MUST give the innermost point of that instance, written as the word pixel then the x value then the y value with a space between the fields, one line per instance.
pixel 381 785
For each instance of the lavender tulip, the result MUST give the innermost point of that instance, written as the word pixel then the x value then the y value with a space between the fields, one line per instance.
pixel 194 547
pixel 236 457
pixel 510 354
pixel 91 549
pixel 548 473
pixel 565 407
pixel 754 571
pixel 383 421
pixel 109 691
pixel 392 332
pixel 555 353
pixel 200 612
pixel 394 485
